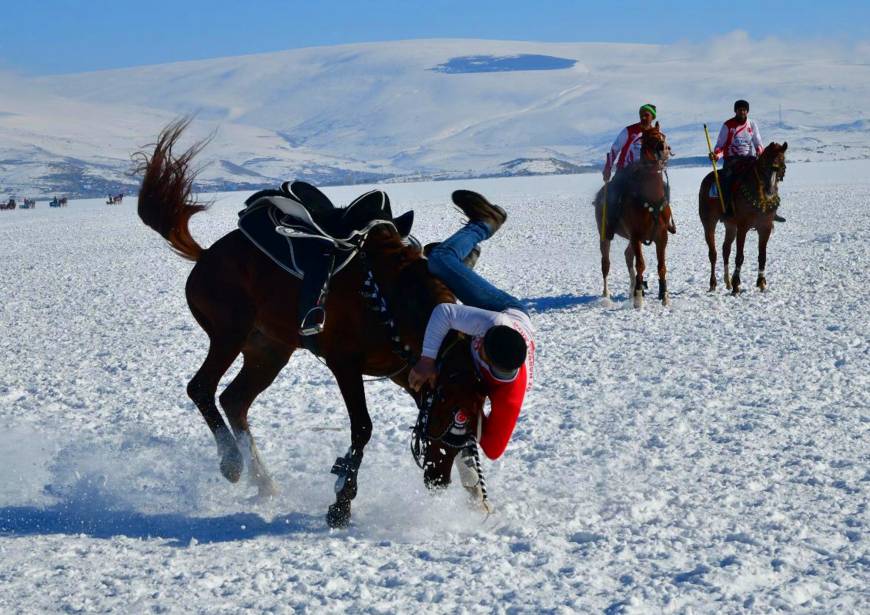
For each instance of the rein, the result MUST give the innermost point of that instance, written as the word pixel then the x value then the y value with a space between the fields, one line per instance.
pixel 419 432
pixel 657 167
pixel 765 202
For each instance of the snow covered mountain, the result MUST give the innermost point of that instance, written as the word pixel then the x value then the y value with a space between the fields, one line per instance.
pixel 424 109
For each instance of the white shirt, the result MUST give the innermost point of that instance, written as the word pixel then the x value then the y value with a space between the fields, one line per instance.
pixel 476 322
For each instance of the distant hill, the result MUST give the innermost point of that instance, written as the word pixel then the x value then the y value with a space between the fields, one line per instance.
pixel 418 109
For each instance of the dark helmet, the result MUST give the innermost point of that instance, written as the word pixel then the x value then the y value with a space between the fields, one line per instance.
pixel 741 104
pixel 506 350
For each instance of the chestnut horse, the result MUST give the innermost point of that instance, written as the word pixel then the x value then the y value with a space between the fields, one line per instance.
pixel 755 198
pixel 248 305
pixel 644 216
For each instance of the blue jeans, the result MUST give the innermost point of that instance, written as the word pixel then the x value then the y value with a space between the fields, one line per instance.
pixel 445 262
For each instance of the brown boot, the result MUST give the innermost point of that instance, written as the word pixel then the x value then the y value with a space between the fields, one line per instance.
pixel 478 209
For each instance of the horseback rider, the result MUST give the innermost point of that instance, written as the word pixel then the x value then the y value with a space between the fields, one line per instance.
pixel 626 150
pixel 739 142
pixel 503 344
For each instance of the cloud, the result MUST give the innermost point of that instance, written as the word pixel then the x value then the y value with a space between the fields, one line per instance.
pixel 738 47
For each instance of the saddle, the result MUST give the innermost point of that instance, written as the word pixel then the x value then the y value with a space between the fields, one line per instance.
pixel 300 229
pixel 728 177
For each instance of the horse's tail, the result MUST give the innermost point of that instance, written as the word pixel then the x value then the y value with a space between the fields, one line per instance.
pixel 166 201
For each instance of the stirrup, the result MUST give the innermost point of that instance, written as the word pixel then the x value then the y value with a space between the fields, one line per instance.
pixel 315 327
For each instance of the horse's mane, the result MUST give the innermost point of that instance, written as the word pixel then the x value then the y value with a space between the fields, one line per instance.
pixel 414 290
pixel 770 153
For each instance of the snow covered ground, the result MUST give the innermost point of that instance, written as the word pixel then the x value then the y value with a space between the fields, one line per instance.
pixel 707 457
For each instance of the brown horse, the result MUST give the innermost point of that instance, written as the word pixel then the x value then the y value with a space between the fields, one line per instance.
pixel 644 216
pixel 755 197
pixel 248 305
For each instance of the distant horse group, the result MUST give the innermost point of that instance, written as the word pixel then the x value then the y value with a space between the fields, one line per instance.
pixel 645 212
pixel 31 203
pixel 115 199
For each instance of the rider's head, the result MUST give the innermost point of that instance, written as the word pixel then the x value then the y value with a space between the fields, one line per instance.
pixel 741 109
pixel 647 114
pixel 505 351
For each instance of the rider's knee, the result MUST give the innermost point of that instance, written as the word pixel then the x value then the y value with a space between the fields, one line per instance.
pixel 438 261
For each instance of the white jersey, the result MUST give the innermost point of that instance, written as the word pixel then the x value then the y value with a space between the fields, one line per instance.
pixel 476 322
pixel 738 140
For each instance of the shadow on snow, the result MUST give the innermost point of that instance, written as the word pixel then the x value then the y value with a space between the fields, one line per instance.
pixel 178 529
pixel 559 302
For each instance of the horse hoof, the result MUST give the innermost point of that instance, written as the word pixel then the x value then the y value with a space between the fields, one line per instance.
pixel 232 465
pixel 338 516
pixel 638 302
pixel 666 300
pixel 761 284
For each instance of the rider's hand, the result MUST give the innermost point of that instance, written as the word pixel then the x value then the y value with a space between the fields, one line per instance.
pixel 713 157
pixel 424 372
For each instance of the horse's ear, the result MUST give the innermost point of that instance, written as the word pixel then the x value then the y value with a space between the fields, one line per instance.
pixel 784 145
pixel 657 124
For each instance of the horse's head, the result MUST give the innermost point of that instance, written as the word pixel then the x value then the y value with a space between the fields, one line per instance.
pixel 771 166
pixel 458 392
pixel 654 146
pixel 773 158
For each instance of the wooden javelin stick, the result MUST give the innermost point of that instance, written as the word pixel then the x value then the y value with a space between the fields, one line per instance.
pixel 715 170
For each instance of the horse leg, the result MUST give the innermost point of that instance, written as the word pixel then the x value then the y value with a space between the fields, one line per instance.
pixel 763 236
pixel 605 264
pixel 710 237
pixel 730 234
pixel 201 389
pixel 661 247
pixel 738 260
pixel 437 465
pixel 641 267
pixel 629 262
pixel 263 360
pixel 349 378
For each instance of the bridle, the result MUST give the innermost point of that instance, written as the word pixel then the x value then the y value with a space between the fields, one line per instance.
pixel 654 161
pixel 420 438
pixel 764 202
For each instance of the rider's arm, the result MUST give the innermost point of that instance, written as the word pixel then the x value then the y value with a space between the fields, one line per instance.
pixel 464 318
pixel 613 154
pixel 719 150
pixel 756 139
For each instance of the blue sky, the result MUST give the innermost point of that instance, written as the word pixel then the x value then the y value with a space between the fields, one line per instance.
pixel 57 36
